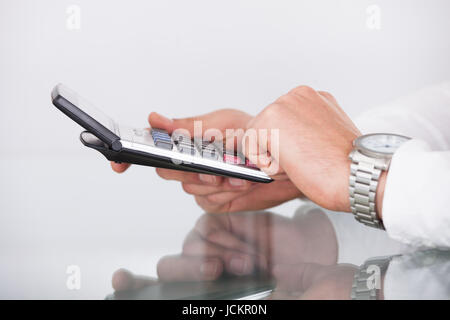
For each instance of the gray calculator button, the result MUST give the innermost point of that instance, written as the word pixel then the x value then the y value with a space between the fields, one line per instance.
pixel 163 144
pixel 181 139
pixel 209 151
pixel 186 148
pixel 210 154
pixel 219 147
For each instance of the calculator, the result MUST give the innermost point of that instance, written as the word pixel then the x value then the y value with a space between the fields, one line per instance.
pixel 152 146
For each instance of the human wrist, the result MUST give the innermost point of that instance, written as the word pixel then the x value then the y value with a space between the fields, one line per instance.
pixel 380 195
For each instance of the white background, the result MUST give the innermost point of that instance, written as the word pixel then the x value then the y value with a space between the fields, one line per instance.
pixel 60 204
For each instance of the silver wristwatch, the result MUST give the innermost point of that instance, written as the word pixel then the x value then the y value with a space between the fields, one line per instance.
pixel 370 156
pixel 367 280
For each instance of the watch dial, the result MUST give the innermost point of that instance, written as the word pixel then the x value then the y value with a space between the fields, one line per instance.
pixel 383 143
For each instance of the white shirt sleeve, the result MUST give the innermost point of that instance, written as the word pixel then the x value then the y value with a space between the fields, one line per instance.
pixel 423 115
pixel 415 206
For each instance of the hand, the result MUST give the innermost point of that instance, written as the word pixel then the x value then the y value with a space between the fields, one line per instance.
pixel 242 244
pixel 306 281
pixel 315 139
pixel 247 242
pixel 215 193
pixel 123 280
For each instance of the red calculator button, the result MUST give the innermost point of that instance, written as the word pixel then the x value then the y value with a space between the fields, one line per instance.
pixel 230 158
pixel 250 164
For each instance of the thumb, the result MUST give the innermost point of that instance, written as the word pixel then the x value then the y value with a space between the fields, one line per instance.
pixel 159 121
pixel 219 120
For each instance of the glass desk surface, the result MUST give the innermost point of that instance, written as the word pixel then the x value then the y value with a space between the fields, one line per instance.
pixel 67 225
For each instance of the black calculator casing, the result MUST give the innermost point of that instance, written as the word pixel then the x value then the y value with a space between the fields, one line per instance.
pixel 142 158
pixel 102 139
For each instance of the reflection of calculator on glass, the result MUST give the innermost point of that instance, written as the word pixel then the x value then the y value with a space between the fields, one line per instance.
pixel 152 147
pixel 254 287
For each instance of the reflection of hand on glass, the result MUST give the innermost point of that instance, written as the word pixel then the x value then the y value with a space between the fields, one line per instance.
pixel 314 281
pixel 123 280
pixel 215 193
pixel 246 243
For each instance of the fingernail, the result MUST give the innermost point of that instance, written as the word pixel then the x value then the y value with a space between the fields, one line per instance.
pixel 207 178
pixel 209 268
pixel 239 265
pixel 236 182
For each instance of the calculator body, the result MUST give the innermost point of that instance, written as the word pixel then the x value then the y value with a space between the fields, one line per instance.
pixel 152 146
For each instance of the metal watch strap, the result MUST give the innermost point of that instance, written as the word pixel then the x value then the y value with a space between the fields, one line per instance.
pixel 360 288
pixel 364 175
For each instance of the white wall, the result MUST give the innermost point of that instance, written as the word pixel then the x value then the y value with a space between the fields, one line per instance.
pixel 60 204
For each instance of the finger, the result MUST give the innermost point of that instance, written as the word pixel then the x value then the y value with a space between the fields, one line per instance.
pixel 184 268
pixel 119 167
pixel 290 278
pixel 300 277
pixel 182 176
pixel 227 202
pixel 220 120
pixel 285 189
pixel 328 96
pixel 214 229
pixel 332 102
pixel 280 176
pixel 218 202
pixel 227 240
pixel 210 179
pixel 159 121
pixel 123 280
pixel 209 207
pixel 256 145
pixel 235 262
pixel 235 183
pixel 203 190
pixel 188 177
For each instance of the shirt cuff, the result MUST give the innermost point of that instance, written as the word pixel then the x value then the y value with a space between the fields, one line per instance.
pixel 414 204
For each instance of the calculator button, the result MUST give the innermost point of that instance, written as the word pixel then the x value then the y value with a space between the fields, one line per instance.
pixel 220 148
pixel 180 138
pixel 186 148
pixel 232 158
pixel 250 164
pixel 161 138
pixel 208 150
pixel 210 154
pixel 163 144
pixel 184 144
pixel 159 130
pixel 160 133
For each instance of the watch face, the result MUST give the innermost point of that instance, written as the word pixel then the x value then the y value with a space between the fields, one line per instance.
pixel 380 143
